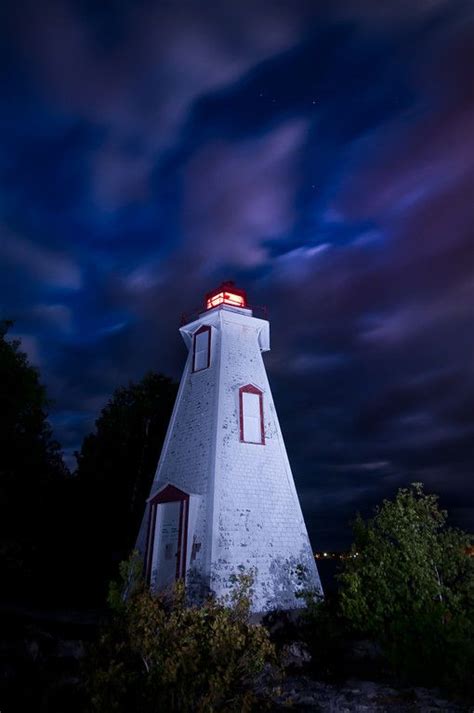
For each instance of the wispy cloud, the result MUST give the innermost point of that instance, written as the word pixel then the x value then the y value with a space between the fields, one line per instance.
pixel 40 263
pixel 239 196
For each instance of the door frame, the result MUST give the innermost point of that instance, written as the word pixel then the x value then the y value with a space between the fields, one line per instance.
pixel 168 494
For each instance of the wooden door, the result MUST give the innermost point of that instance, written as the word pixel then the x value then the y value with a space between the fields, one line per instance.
pixel 167 538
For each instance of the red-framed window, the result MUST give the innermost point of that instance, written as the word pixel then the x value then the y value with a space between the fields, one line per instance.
pixel 251 415
pixel 202 348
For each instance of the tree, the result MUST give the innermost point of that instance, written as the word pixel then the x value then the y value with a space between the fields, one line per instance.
pixel 158 653
pixel 410 585
pixel 32 471
pixel 115 470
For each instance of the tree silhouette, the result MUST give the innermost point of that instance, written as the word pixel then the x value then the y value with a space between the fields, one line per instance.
pixel 115 470
pixel 32 472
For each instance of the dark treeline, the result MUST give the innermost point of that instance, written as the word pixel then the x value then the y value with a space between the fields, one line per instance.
pixel 63 534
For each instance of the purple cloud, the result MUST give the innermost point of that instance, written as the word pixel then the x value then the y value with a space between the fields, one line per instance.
pixel 237 196
pixel 40 263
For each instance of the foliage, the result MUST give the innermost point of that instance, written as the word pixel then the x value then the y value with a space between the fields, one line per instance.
pixel 323 630
pixel 46 516
pixel 158 653
pixel 115 470
pixel 410 586
pixel 32 473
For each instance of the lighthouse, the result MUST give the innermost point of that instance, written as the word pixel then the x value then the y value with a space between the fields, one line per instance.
pixel 223 499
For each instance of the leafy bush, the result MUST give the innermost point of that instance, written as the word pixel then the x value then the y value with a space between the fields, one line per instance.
pixel 325 633
pixel 158 653
pixel 410 586
pixel 323 630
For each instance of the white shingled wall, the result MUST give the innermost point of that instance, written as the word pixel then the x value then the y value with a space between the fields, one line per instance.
pixel 249 515
pixel 257 517
pixel 187 458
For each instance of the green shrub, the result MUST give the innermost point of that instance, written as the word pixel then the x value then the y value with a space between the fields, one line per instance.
pixel 325 633
pixel 323 630
pixel 158 653
pixel 410 586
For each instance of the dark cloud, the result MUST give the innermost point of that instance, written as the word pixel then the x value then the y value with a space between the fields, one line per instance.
pixel 320 156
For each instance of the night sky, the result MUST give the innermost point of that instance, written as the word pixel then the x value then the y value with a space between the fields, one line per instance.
pixel 320 154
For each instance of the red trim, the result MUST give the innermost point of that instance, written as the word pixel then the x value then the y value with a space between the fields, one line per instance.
pixel 185 537
pixel 150 541
pixel 180 537
pixel 169 494
pixel 204 328
pixel 251 389
pixel 224 288
pixel 147 548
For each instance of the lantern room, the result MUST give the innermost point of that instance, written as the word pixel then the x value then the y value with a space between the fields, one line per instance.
pixel 226 294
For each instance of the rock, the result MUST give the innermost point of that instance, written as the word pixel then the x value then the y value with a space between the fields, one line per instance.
pixel 366 649
pixel 307 700
pixel 295 654
pixel 359 697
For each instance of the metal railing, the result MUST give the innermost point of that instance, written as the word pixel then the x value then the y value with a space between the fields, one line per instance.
pixel 259 311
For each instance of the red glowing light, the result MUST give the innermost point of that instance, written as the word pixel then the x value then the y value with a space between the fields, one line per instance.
pixel 225 298
pixel 226 294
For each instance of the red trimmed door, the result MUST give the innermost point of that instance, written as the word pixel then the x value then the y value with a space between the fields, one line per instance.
pixel 167 537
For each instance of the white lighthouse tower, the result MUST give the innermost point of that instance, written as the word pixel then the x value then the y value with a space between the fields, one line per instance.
pixel 223 499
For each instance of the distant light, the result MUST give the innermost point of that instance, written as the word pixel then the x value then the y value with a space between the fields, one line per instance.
pixel 325 554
